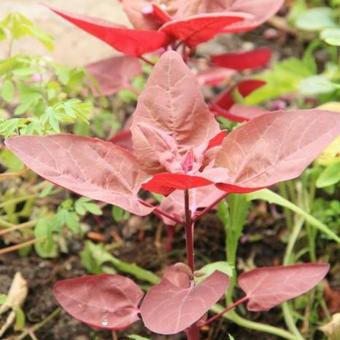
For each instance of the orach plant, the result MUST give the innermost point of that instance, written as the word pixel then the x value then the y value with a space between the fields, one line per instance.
pixel 179 25
pixel 179 151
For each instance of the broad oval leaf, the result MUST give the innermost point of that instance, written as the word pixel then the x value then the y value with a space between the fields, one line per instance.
pixel 128 41
pixel 113 74
pixel 200 28
pixel 243 60
pixel 166 183
pixel 101 301
pixel 169 309
pixel 172 104
pixel 88 166
pixel 274 147
pixel 270 286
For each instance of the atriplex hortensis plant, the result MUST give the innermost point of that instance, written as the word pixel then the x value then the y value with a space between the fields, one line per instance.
pixel 181 25
pixel 179 151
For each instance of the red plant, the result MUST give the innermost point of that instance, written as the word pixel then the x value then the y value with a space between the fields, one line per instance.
pixel 179 25
pixel 179 151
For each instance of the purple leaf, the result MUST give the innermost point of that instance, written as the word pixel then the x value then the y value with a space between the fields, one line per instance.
pixel 101 301
pixel 270 286
pixel 172 307
pixel 88 166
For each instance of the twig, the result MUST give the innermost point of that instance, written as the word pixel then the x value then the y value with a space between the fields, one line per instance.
pixel 38 325
pixel 18 246
pixel 17 227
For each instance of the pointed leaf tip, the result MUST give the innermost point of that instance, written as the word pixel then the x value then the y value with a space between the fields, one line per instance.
pixel 128 41
pixel 270 286
pixel 274 147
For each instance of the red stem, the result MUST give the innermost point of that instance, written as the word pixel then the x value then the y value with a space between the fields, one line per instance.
pixel 189 230
pixel 207 209
pixel 226 310
pixel 192 332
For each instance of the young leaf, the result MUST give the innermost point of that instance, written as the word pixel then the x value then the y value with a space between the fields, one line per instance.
pixel 275 147
pixel 113 74
pixel 128 41
pixel 243 60
pixel 169 308
pixel 200 28
pixel 270 286
pixel 46 247
pixel 166 183
pixel 179 112
pixel 102 301
pixel 90 167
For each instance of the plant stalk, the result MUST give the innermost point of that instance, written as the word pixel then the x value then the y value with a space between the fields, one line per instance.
pixel 189 231
pixel 192 332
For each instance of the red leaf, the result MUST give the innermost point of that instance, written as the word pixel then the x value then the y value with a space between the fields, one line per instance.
pixel 113 74
pixel 261 10
pixel 159 15
pixel 101 301
pixel 274 147
pixel 200 28
pixel 199 198
pixel 178 112
pixel 225 99
pixel 217 140
pixel 270 286
pixel 90 167
pixel 214 76
pixel 169 309
pixel 243 60
pixel 128 41
pixel 166 183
